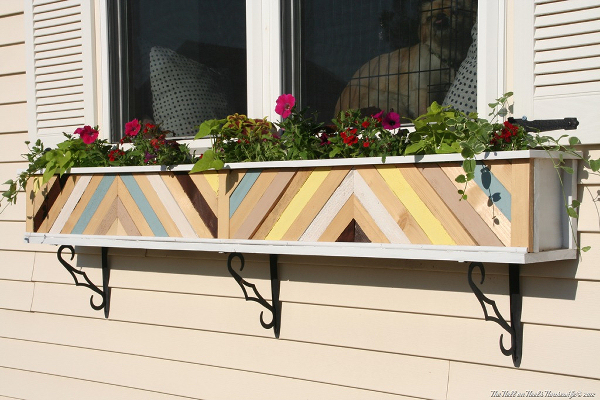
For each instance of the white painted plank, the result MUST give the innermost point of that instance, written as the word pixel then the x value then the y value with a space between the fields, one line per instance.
pixel 579 28
pixel 568 54
pixel 555 67
pixel 13 118
pixel 568 77
pixel 570 17
pixel 566 42
pixel 469 381
pixel 16 295
pixel 41 386
pixel 16 55
pixel 182 379
pixel 584 88
pixel 335 365
pixel 12 146
pixel 12 88
pixel 12 30
pixel 561 6
pixel 16 265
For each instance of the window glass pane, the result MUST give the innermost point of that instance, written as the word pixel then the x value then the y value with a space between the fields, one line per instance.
pixel 385 54
pixel 186 61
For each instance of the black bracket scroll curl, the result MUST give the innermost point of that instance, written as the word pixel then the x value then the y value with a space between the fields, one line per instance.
pixel 275 307
pixel 104 293
pixel 515 329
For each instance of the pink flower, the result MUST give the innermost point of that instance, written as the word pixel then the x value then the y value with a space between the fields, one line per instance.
pixel 284 106
pixel 132 127
pixel 87 134
pixel 391 120
pixel 378 116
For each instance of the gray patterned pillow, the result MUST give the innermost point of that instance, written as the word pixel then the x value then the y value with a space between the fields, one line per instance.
pixel 184 92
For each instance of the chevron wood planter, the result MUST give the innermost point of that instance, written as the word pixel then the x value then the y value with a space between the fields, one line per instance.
pixel 514 201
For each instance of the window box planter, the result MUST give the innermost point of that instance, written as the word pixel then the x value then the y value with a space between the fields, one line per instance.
pixel 407 207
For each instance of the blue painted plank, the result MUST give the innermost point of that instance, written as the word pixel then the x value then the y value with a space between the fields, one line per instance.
pixel 242 190
pixel 90 209
pixel 140 200
pixel 493 188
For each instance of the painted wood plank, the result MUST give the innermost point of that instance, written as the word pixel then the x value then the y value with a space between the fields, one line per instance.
pixel 186 206
pixel 245 206
pixel 295 185
pixel 479 201
pixel 393 205
pixel 171 206
pixel 16 295
pixel 11 30
pixel 205 187
pixel 129 207
pixel 199 202
pixel 240 192
pixel 11 7
pixel 368 224
pixel 469 218
pixel 108 219
pixel 264 206
pixel 37 386
pixel 343 216
pixel 522 229
pixel 100 208
pixel 437 206
pixel 59 203
pixel 125 223
pixel 13 89
pixel 223 205
pixel 75 206
pixel 15 53
pixel 130 185
pixel 324 220
pixel 157 205
pixel 493 188
pixel 40 206
pixel 314 204
pixel 296 205
pixel 431 226
pixel 16 265
pixel 391 373
pixel 184 379
pixel 377 212
pixel 29 203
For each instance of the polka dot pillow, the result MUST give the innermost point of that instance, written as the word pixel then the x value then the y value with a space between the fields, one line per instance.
pixel 462 94
pixel 184 92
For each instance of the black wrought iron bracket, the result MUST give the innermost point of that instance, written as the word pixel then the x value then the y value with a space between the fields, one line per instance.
pixel 275 307
pixel 515 329
pixel 543 125
pixel 104 292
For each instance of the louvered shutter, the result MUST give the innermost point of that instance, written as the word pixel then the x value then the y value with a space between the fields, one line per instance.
pixel 557 62
pixel 60 67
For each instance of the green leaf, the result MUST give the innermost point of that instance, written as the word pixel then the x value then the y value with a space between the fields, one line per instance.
pixel 575 203
pixel 586 248
pixel 469 166
pixel 595 165
pixel 568 170
pixel 414 148
pixel 467 152
pixel 572 213
pixel 461 179
pixel 208 161
pixel 573 141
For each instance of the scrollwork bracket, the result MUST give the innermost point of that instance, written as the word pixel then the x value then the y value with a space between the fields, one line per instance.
pixel 515 329
pixel 104 292
pixel 275 307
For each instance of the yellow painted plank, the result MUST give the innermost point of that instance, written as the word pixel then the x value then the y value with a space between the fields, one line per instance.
pixel 431 226
pixel 212 177
pixel 223 206
pixel 436 205
pixel 157 205
pixel 80 207
pixel 522 204
pixel 102 209
pixel 499 224
pixel 290 192
pixel 315 204
pixel 297 204
pixel 394 206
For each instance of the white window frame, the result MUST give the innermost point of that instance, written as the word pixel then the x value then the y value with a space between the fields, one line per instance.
pixel 264 58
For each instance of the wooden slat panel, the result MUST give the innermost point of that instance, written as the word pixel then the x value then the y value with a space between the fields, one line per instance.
pixel 566 30
pixel 567 54
pixel 562 6
pixel 391 373
pixel 570 17
pixel 567 42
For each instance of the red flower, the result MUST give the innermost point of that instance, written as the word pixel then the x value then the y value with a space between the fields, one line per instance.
pixel 132 127
pixel 366 124
pixel 378 116
pixel 349 136
pixel 147 127
pixel 115 154
pixel 284 105
pixel 366 144
pixel 87 134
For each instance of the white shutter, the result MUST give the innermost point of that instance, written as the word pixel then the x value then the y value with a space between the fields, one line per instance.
pixel 60 67
pixel 557 62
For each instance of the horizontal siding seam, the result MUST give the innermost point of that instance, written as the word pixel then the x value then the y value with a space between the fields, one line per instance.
pixel 195 363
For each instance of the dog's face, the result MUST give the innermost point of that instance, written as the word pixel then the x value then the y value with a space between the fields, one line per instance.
pixel 446 27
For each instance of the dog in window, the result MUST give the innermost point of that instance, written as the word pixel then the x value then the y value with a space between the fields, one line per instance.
pixel 409 79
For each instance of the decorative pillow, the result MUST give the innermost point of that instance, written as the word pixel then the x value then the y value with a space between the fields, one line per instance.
pixel 463 91
pixel 184 92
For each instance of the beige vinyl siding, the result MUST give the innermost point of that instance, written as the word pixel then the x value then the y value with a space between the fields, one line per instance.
pixel 179 327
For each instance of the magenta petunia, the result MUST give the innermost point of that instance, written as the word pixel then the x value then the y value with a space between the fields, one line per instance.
pixel 87 134
pixel 284 105
pixel 132 127
pixel 391 120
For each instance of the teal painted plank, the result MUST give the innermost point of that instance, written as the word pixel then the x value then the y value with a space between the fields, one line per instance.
pixel 242 190
pixel 144 206
pixel 493 188
pixel 92 206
